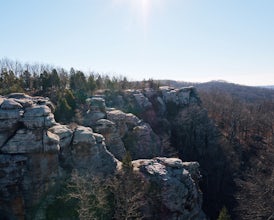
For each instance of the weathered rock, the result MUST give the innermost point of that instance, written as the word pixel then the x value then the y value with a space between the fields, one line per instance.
pixel 26 103
pixel 179 195
pixel 122 120
pixel 29 141
pixel 92 116
pixel 10 114
pixel 39 122
pixel 8 124
pixel 142 101
pixel 97 103
pixel 64 133
pixel 194 169
pixel 36 153
pixel 89 152
pixel 96 111
pixel 181 97
pixel 19 96
pixel 118 117
pixel 113 140
pixel 24 141
pixel 142 142
pixel 83 135
pixel 132 120
pixel 51 142
pixel 9 104
pixel 37 111
pixel 169 94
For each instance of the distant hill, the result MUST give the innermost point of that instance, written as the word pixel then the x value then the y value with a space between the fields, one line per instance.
pixel 241 92
pixel 268 87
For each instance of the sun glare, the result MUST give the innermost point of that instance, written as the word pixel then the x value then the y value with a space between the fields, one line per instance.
pixel 145 10
pixel 140 8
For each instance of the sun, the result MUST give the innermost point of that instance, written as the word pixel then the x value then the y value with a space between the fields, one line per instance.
pixel 141 10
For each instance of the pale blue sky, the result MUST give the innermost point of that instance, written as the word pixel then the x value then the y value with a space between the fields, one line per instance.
pixel 189 40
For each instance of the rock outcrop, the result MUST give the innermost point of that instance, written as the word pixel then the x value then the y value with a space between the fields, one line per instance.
pixel 37 153
pixel 34 150
pixel 96 110
pixel 137 135
pixel 112 137
pixel 179 195
pixel 122 131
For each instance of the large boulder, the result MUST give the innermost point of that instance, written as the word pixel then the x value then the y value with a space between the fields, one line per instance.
pixel 113 140
pixel 37 117
pixel 89 152
pixel 177 191
pixel 123 121
pixel 9 104
pixel 181 97
pixel 64 133
pixel 142 142
pixel 142 101
pixel 96 110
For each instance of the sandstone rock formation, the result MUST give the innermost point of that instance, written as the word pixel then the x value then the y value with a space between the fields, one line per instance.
pixel 138 136
pixel 112 137
pixel 37 154
pixel 34 149
pixel 179 194
pixel 123 131
pixel 96 110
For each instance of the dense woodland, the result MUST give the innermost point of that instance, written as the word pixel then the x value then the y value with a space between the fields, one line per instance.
pixel 243 115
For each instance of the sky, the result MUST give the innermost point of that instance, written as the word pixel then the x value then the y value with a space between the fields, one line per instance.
pixel 186 40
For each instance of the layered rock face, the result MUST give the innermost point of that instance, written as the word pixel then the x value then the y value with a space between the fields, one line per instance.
pixel 122 131
pixel 36 153
pixel 177 187
pixel 29 152
pixel 147 133
pixel 184 129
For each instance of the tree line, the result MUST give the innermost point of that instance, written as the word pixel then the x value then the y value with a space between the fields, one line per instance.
pixel 33 78
pixel 66 89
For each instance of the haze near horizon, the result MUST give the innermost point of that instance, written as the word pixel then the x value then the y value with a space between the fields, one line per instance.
pixel 180 40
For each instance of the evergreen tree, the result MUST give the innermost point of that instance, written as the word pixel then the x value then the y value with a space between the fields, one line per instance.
pixel 91 83
pixel 224 214
pixel 63 111
pixel 54 79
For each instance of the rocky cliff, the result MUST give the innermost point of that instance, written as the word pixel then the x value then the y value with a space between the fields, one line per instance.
pixel 37 154
pixel 180 126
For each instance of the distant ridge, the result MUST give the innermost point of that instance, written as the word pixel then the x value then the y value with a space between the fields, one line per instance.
pixel 241 92
pixel 267 87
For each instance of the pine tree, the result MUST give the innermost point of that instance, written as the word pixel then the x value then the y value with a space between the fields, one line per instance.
pixel 224 214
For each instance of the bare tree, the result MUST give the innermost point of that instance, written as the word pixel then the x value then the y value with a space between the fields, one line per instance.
pixel 90 194
pixel 129 191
